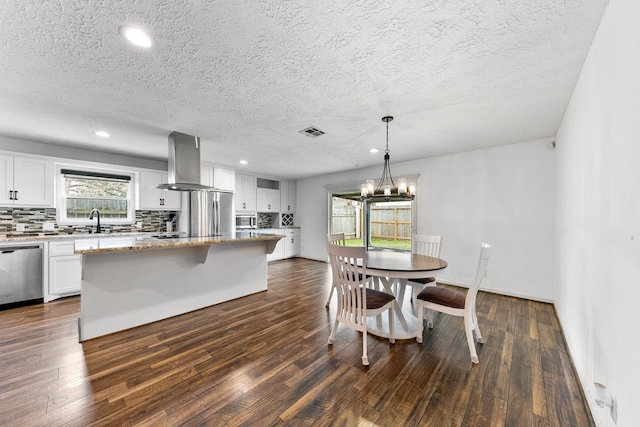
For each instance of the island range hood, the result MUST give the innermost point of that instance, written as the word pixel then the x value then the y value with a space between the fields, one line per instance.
pixel 206 211
pixel 184 164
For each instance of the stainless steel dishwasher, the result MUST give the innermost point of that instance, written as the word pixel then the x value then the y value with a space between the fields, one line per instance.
pixel 20 274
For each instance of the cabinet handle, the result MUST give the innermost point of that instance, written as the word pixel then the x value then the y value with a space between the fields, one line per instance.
pixel 10 194
pixel 288 207
pixel 269 207
pixel 161 202
pixel 15 194
pixel 244 205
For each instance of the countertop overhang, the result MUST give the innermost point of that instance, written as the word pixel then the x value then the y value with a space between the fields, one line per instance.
pixel 135 243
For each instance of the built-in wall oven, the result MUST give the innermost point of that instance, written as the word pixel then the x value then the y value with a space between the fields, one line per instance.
pixel 246 221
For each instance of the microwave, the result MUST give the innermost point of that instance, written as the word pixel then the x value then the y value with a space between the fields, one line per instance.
pixel 246 222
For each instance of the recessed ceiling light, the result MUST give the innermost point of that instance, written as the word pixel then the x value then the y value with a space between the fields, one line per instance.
pixel 136 36
pixel 243 162
pixel 102 134
pixel 374 150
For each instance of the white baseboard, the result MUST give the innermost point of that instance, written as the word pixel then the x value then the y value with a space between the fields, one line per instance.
pixel 498 291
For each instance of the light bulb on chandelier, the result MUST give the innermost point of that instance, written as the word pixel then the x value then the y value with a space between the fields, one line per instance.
pixel 386 188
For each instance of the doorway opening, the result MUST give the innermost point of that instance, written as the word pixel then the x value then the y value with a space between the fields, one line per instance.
pixel 380 225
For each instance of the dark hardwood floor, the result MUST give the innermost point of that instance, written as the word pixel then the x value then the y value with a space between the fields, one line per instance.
pixel 264 360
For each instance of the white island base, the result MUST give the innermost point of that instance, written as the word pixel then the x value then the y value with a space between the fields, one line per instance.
pixel 124 289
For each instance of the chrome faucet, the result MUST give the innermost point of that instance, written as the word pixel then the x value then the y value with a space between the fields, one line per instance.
pixel 97 212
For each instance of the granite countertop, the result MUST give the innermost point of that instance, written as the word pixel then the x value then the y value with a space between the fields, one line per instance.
pixel 46 237
pixel 142 242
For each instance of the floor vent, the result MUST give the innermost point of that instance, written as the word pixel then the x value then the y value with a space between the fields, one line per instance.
pixel 312 132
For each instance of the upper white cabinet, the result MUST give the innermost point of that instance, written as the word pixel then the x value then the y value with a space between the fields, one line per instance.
pixel 224 179
pixel 245 193
pixel 268 194
pixel 287 197
pixel 220 178
pixel 206 175
pixel 268 200
pixel 26 181
pixel 153 198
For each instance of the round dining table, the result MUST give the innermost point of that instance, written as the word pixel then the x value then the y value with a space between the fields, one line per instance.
pixel 389 268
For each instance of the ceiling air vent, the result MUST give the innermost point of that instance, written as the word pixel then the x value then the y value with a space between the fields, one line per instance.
pixel 312 132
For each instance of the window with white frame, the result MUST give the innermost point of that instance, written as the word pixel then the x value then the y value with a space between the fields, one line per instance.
pixel 81 191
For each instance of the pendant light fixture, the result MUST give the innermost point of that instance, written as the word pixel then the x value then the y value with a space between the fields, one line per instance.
pixel 386 188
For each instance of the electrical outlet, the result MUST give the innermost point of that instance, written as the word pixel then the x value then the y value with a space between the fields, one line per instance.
pixel 20 227
pixel 47 226
pixel 139 225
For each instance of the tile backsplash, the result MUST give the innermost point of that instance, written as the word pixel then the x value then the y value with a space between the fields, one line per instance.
pixel 33 220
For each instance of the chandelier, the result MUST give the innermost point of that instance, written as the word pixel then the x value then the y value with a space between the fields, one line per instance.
pixel 386 188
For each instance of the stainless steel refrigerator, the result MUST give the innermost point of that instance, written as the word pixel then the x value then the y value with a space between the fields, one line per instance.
pixel 210 213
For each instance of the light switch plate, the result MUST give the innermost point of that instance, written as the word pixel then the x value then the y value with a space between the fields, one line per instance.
pixel 20 227
pixel 47 226
pixel 139 224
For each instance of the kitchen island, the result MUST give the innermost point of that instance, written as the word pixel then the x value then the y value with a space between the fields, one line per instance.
pixel 132 281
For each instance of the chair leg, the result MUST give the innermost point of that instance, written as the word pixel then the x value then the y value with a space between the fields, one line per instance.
pixel 430 319
pixel 420 322
pixel 375 282
pixel 333 331
pixel 330 295
pixel 476 330
pixel 469 331
pixel 365 359
pixel 414 293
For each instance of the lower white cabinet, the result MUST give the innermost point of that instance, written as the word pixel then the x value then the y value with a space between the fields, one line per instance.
pixel 288 246
pixel 65 269
pixel 291 242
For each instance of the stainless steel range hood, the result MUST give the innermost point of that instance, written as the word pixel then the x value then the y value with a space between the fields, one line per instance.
pixel 184 164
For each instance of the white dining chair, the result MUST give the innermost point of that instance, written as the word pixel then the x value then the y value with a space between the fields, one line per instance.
pixel 336 239
pixel 424 245
pixel 356 301
pixel 435 298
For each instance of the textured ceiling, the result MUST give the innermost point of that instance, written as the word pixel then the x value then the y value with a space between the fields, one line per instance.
pixel 246 76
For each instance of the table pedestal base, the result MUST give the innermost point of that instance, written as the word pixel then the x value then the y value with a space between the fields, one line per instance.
pixel 380 327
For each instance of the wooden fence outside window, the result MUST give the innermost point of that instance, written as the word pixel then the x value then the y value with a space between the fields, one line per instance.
pixel 388 223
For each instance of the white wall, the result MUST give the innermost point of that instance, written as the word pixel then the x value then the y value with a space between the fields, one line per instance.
pixel 27 146
pixel 502 195
pixel 598 214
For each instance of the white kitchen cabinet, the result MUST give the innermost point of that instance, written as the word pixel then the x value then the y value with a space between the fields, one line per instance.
pixel 65 269
pixel 224 179
pixel 206 175
pixel 220 178
pixel 288 246
pixel 153 198
pixel 245 193
pixel 287 197
pixel 25 181
pixel 268 199
pixel 291 242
